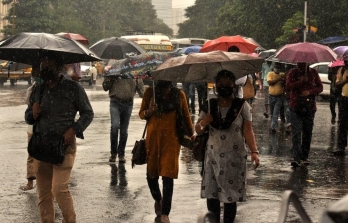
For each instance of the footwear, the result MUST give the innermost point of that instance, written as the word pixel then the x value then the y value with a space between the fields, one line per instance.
pixel 273 130
pixel 266 115
pixel 305 162
pixel 288 129
pixel 333 120
pixel 339 153
pixel 27 187
pixel 121 159
pixel 295 164
pixel 165 219
pixel 112 158
pixel 158 208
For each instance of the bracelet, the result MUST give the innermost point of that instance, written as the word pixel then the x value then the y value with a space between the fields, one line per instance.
pixel 257 152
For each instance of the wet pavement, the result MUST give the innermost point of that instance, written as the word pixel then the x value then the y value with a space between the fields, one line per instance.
pixel 105 192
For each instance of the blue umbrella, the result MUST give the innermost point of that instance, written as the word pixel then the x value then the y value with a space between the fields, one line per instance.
pixel 190 49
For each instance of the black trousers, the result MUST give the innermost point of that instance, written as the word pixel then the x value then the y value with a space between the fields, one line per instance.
pixel 333 100
pixel 343 127
pixel 168 187
pixel 230 210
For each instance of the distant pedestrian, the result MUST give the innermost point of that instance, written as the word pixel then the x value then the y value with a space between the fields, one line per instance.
pixel 162 143
pixel 266 68
pixel 189 89
pixel 121 94
pixel 230 133
pixel 304 84
pixel 341 82
pixel 55 114
pixel 335 93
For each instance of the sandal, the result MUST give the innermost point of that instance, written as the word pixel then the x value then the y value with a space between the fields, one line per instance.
pixel 27 187
pixel 112 158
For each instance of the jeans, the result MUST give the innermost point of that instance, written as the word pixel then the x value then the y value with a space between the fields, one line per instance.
pixel 230 210
pixel 168 187
pixel 120 113
pixel 52 182
pixel 301 128
pixel 343 126
pixel 276 102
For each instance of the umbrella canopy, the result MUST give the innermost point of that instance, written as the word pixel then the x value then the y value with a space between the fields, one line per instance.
pixel 225 42
pixel 276 60
pixel 342 52
pixel 267 53
pixel 336 63
pixel 190 49
pixel 200 67
pixel 75 36
pixel 28 48
pixel 305 53
pixel 333 39
pixel 139 64
pixel 116 48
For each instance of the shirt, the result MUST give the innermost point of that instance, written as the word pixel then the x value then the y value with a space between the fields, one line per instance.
pixel 342 77
pixel 60 105
pixel 265 70
pixel 295 87
pixel 278 88
pixel 125 89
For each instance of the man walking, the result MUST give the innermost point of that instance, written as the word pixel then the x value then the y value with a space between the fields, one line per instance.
pixel 341 82
pixel 121 92
pixel 304 84
pixel 266 68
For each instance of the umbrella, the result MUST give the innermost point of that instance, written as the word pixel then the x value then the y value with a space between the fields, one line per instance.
pixel 190 49
pixel 333 40
pixel 28 48
pixel 116 48
pixel 224 42
pixel 336 63
pixel 75 36
pixel 305 53
pixel 138 65
pixel 267 53
pixel 342 52
pixel 276 60
pixel 200 67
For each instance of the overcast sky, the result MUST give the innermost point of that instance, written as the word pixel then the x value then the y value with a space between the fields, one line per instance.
pixel 182 3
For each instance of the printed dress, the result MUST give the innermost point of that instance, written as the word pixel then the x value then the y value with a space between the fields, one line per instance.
pixel 224 176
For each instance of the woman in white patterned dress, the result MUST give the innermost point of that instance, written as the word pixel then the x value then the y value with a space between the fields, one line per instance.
pixel 230 130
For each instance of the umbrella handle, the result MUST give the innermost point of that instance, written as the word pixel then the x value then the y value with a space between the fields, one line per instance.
pixel 153 90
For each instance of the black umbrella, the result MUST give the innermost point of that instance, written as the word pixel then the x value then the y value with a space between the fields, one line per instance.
pixel 116 48
pixel 28 48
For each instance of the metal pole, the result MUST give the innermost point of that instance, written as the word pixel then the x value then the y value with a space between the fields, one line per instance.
pixel 305 22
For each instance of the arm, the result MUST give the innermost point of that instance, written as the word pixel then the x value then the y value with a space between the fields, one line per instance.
pixel 318 85
pixel 340 82
pixel 145 104
pixel 290 81
pixel 250 141
pixel 185 113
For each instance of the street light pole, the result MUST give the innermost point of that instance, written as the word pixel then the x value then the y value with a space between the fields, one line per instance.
pixel 305 22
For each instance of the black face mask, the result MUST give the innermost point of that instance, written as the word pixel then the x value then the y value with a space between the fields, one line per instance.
pixel 163 84
pixel 47 74
pixel 224 92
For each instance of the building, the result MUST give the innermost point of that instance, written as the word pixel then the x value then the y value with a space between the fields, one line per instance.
pixel 3 12
pixel 164 10
pixel 178 16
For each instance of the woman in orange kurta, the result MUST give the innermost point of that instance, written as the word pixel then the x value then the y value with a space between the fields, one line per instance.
pixel 162 143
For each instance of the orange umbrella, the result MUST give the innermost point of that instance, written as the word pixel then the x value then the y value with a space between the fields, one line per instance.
pixel 223 43
pixel 75 36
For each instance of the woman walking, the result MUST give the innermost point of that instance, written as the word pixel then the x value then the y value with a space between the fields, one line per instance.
pixel 162 143
pixel 229 121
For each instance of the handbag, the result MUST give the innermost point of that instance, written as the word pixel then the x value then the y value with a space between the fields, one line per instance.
pixel 139 151
pixel 304 105
pixel 199 146
pixel 107 83
pixel 49 149
pixel 248 89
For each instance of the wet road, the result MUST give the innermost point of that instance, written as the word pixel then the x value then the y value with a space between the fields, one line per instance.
pixel 105 192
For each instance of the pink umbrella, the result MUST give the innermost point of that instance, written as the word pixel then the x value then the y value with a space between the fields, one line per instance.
pixel 305 53
pixel 336 63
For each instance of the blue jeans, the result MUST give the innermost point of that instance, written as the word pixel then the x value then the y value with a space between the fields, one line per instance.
pixel 120 113
pixel 275 103
pixel 301 127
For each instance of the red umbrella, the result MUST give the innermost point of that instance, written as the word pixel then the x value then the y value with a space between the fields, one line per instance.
pixel 305 53
pixel 75 36
pixel 224 42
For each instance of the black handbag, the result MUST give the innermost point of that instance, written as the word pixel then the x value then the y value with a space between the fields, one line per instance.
pixel 139 151
pixel 199 146
pixel 49 149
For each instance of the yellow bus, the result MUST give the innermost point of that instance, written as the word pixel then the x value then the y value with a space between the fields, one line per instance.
pixel 185 42
pixel 152 42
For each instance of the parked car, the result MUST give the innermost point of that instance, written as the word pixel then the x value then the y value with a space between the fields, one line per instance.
pixel 14 72
pixel 323 71
pixel 88 73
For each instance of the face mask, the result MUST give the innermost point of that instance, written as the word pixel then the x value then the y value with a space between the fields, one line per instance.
pixel 224 92
pixel 38 80
pixel 47 74
pixel 163 84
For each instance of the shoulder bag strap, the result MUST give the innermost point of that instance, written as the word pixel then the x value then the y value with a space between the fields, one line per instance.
pixel 143 137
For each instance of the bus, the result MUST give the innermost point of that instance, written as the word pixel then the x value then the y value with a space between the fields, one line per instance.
pixel 152 42
pixel 185 42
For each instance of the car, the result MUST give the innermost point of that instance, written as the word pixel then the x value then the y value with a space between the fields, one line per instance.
pixel 14 72
pixel 88 73
pixel 323 71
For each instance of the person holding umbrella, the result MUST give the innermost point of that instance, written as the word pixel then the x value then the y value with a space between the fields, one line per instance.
pixel 304 84
pixel 230 132
pixel 53 106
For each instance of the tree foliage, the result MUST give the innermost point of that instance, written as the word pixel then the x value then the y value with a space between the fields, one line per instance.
pixel 93 19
